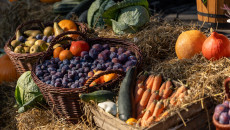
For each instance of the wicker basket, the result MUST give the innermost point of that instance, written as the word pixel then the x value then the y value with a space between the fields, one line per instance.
pixel 227 96
pixel 66 101
pixel 24 62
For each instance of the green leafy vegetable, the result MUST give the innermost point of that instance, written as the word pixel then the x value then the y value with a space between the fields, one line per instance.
pixel 27 93
pixel 204 2
pixel 113 12
pixel 94 17
pixel 130 19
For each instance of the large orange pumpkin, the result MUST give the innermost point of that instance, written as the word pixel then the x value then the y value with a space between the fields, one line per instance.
pixel 189 43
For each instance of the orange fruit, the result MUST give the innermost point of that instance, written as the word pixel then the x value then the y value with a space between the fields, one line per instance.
pixel 100 79
pixel 57 51
pixel 65 54
pixel 67 25
pixel 189 43
pixel 131 121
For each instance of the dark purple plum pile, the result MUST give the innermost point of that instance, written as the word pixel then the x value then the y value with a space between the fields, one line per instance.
pixel 74 73
pixel 222 113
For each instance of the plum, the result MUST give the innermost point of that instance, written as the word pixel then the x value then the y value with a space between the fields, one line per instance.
pixel 70 76
pixel 21 39
pixel 44 38
pixel 82 80
pixel 77 58
pixel 58 80
pixel 113 55
pixel 74 85
pixel 128 53
pixel 78 66
pixel 224 118
pixel 93 53
pixel 109 68
pixel 105 46
pixel 106 52
pixel 48 82
pixel 132 58
pixel 83 53
pixel 57 84
pixel 39 36
pixel 98 47
pixel 39 73
pixel 122 58
pixel 226 104
pixel 66 62
pixel 113 49
pixel 102 56
pixel 49 39
pixel 128 63
pixel 220 108
pixel 71 65
pixel 121 50
pixel 86 69
pixel 115 60
pixel 87 58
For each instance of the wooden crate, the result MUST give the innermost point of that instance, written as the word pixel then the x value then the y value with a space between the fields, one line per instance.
pixel 195 118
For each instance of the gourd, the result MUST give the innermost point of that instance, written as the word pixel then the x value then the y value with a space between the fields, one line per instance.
pixel 125 98
pixel 98 96
pixel 216 46
pixel 189 43
pixel 8 72
pixel 109 107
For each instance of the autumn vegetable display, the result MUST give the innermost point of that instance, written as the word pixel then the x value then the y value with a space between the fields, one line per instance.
pixel 72 68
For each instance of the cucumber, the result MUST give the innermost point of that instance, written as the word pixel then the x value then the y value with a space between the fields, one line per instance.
pixel 125 97
pixel 98 96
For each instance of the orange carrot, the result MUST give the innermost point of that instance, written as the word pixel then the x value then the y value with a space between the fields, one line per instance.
pixel 138 124
pixel 141 114
pixel 167 92
pixel 145 117
pixel 140 85
pixel 139 94
pixel 148 79
pixel 176 101
pixel 144 100
pixel 158 109
pixel 161 90
pixel 154 96
pixel 149 121
pixel 150 84
pixel 152 106
pixel 156 83
pixel 163 115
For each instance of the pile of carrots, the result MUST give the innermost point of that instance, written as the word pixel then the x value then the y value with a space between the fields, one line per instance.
pixel 153 97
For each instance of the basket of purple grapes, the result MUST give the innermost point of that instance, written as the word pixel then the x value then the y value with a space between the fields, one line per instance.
pixel 30 42
pixel 221 117
pixel 61 82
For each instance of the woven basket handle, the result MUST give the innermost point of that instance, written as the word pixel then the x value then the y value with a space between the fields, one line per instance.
pixel 119 72
pixel 63 37
pixel 226 85
pixel 28 23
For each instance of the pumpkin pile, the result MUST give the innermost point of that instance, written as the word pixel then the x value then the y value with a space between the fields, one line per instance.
pixel 194 42
pixel 33 41
pixel 72 68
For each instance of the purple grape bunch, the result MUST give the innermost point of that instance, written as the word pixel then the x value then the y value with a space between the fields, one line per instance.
pixel 75 72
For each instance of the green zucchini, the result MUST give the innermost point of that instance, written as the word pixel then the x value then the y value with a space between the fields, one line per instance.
pixel 98 96
pixel 125 97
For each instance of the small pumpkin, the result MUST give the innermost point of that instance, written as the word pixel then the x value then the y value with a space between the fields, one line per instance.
pixel 57 51
pixel 216 46
pixel 8 72
pixel 189 43
pixel 65 54
pixel 131 121
pixel 109 77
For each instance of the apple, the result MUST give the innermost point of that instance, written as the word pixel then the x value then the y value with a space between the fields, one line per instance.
pixel 78 46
